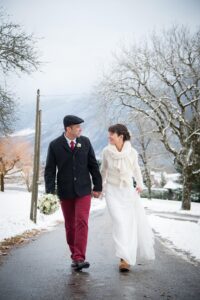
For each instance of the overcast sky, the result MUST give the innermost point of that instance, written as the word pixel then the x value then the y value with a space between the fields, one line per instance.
pixel 78 36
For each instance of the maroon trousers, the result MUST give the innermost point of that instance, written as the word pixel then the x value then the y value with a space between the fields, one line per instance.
pixel 76 214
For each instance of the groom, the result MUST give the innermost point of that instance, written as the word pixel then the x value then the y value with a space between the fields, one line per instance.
pixel 70 161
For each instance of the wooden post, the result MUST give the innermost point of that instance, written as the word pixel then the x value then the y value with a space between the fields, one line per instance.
pixel 36 165
pixel 38 162
pixel 2 181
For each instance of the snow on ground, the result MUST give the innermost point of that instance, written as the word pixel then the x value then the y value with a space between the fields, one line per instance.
pixel 171 206
pixel 172 185
pixel 23 132
pixel 168 176
pixel 15 211
pixel 184 235
pixel 172 176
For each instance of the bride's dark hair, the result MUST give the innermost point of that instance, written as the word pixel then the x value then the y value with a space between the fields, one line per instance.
pixel 120 129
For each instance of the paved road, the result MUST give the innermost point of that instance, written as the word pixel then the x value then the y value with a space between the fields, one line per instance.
pixel 41 270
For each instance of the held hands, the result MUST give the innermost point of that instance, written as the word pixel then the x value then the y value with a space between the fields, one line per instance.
pixel 96 194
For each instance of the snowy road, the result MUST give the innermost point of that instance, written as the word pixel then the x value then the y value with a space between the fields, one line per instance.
pixel 40 270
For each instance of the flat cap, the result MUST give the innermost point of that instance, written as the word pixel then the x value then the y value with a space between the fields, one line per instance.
pixel 72 120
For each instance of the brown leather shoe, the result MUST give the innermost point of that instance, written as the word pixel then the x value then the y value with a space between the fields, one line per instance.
pixel 124 266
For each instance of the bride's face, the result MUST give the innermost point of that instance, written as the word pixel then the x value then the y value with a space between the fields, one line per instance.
pixel 114 138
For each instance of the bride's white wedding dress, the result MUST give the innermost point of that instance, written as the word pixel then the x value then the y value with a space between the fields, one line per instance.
pixel 132 234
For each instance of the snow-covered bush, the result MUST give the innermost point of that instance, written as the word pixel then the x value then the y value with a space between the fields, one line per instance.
pixel 48 204
pixel 156 193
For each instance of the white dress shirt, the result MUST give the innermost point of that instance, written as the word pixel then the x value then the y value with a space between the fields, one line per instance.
pixel 69 141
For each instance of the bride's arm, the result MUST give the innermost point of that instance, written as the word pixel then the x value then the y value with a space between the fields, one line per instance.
pixel 137 172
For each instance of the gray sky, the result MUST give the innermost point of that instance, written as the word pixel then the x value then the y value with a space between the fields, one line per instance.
pixel 78 36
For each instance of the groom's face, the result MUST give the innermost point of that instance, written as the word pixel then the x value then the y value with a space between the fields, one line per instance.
pixel 74 130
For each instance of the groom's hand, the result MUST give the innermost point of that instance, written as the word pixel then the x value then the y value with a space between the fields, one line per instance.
pixel 96 194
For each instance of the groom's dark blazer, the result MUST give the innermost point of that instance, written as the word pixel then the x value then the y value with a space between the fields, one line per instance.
pixel 71 169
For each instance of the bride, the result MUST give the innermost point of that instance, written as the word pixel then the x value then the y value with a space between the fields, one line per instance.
pixel 132 234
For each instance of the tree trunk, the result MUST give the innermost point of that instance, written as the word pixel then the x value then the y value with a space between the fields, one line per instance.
pixel 149 192
pixel 186 201
pixel 148 181
pixel 2 181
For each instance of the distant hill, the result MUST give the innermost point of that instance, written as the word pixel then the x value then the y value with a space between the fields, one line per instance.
pixel 53 111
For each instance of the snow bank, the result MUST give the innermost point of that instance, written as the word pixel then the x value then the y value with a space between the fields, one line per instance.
pixel 23 132
pixel 15 212
pixel 171 206
pixel 183 234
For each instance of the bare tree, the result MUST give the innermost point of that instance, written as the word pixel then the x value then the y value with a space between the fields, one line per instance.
pixel 149 147
pixel 144 143
pixel 27 174
pixel 160 79
pixel 163 180
pixel 8 158
pixel 144 140
pixel 17 54
pixel 13 153
pixel 25 164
